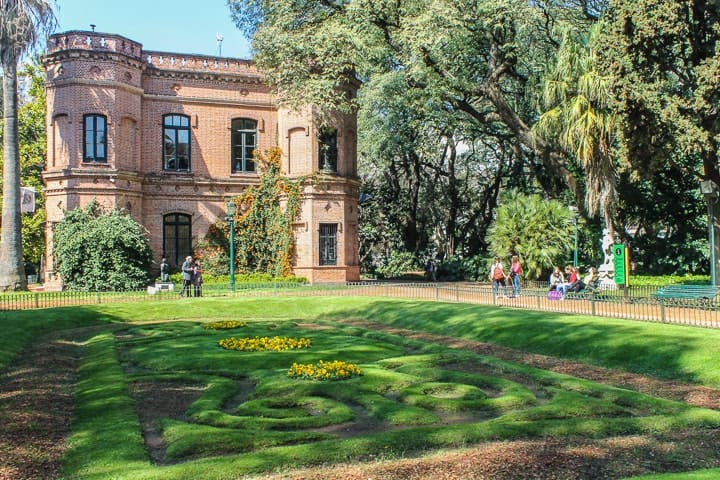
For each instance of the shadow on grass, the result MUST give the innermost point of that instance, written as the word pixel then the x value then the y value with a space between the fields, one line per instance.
pixel 665 351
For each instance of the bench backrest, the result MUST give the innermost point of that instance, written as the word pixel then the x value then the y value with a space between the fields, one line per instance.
pixel 689 291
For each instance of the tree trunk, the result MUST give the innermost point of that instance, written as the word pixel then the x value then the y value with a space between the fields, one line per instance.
pixel 12 270
pixel 714 238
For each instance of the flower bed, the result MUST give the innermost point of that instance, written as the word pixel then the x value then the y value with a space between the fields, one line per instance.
pixel 334 370
pixel 259 344
pixel 224 325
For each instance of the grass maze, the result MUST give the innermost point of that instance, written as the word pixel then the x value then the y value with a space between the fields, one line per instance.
pixel 197 400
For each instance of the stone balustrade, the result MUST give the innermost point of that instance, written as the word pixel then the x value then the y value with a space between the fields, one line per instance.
pixel 104 42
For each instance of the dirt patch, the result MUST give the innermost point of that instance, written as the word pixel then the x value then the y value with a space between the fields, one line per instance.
pixel 157 401
pixel 549 459
pixel 36 405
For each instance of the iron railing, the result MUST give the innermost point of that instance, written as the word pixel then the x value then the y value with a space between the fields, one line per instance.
pixel 634 304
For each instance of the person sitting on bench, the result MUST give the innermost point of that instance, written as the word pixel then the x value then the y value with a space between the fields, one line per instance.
pixel 587 283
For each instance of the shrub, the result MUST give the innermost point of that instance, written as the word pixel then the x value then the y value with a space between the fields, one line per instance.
pixel 456 268
pixel 240 278
pixel 97 250
pixel 398 264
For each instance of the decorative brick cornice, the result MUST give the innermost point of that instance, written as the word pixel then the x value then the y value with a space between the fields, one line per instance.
pixel 96 83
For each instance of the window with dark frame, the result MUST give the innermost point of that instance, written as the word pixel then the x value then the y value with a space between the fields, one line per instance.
pixel 328 243
pixel 94 138
pixel 328 151
pixel 177 238
pixel 244 142
pixel 176 143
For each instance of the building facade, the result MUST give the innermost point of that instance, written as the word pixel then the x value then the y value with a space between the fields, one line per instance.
pixel 170 138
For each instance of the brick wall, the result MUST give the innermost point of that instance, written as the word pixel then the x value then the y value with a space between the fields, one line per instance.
pixel 96 73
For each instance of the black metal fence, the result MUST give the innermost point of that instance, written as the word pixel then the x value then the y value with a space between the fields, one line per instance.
pixel 635 303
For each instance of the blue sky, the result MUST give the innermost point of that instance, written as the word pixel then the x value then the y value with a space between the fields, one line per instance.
pixel 179 26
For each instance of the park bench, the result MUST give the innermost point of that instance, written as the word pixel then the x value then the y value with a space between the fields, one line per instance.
pixel 688 292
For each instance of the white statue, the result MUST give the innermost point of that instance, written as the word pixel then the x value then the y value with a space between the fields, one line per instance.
pixel 606 271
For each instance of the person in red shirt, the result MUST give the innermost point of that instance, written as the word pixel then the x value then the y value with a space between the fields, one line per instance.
pixel 571 276
pixel 515 273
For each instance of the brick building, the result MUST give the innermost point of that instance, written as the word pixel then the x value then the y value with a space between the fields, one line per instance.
pixel 169 137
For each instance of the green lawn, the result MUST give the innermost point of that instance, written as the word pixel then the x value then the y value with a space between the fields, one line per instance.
pixel 243 414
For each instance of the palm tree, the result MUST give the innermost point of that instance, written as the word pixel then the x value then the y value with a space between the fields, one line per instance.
pixel 22 24
pixel 536 229
pixel 577 117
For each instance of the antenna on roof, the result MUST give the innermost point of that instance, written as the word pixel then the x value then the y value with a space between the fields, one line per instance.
pixel 219 37
pixel 92 25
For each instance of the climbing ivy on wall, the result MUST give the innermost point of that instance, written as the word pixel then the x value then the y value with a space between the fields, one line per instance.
pixel 263 219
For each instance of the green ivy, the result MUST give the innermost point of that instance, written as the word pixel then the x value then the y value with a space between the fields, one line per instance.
pixel 96 250
pixel 263 220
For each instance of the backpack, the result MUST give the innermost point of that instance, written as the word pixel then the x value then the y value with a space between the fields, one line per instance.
pixel 498 273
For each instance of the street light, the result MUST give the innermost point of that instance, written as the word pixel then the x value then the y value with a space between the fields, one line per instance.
pixel 574 211
pixel 710 192
pixel 230 219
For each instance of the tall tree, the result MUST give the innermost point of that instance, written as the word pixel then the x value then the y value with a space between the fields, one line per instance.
pixel 577 117
pixel 33 152
pixel 23 23
pixel 664 56
pixel 479 57
pixel 466 68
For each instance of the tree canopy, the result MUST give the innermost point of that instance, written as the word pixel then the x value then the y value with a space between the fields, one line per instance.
pixel 580 101
pixel 665 62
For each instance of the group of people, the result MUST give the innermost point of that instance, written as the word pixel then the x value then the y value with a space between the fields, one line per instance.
pixel 499 277
pixel 571 281
pixel 563 283
pixel 191 277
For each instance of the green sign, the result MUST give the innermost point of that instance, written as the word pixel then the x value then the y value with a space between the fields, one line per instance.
pixel 619 262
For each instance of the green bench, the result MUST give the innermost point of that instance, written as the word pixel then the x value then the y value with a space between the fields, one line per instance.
pixel 687 292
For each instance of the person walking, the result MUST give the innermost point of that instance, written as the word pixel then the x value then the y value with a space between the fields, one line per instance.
pixel 497 277
pixel 187 276
pixel 197 279
pixel 430 270
pixel 515 274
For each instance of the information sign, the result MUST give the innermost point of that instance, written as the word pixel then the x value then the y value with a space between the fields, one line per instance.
pixel 619 263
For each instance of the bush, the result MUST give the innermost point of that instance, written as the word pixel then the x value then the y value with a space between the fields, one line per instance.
pixel 456 268
pixel 398 264
pixel 101 251
pixel 240 278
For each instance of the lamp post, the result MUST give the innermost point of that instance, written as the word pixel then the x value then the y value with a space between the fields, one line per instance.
pixel 710 192
pixel 230 219
pixel 574 211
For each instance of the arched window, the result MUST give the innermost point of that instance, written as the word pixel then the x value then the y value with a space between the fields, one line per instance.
pixel 328 151
pixel 244 141
pixel 177 237
pixel 94 138
pixel 176 143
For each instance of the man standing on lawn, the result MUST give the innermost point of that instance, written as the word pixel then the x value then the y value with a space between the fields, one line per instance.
pixel 187 276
